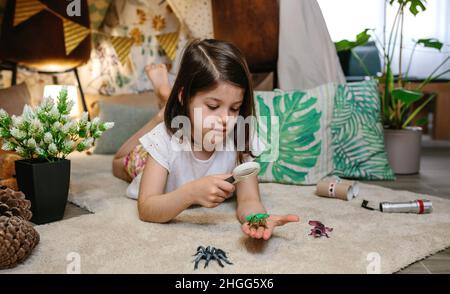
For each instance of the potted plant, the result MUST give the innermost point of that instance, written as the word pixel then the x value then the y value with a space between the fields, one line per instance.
pixel 400 102
pixel 43 137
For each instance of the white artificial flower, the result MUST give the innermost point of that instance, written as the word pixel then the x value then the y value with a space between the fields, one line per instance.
pixel 28 113
pixel 36 124
pixel 40 111
pixel 95 121
pixel 70 105
pixel 65 118
pixel 56 126
pixel 36 127
pixel 65 128
pixel 47 103
pixel 54 113
pixel 52 149
pixel 21 151
pixel 85 144
pixel 3 114
pixel 8 146
pixel 48 138
pixel 68 145
pixel 31 143
pixel 39 151
pixel 18 134
pixel 97 134
pixel 70 127
pixel 73 127
pixel 16 120
pixel 88 142
pixel 108 125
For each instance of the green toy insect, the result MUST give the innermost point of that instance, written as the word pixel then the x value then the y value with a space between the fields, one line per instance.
pixel 257 220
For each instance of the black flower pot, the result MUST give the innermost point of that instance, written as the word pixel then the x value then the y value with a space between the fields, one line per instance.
pixel 46 185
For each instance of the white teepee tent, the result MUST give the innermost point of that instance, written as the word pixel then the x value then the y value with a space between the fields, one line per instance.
pixel 307 57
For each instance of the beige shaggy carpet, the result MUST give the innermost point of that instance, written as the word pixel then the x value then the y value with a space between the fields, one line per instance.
pixel 114 240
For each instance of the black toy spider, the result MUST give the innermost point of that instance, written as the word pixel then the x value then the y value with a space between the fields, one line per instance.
pixel 209 253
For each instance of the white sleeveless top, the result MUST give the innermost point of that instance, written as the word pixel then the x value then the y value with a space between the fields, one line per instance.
pixel 181 164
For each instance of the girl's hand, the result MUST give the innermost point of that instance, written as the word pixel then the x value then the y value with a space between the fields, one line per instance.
pixel 271 222
pixel 210 191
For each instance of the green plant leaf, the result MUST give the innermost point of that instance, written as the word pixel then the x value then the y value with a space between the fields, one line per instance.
pixel 421 121
pixel 406 96
pixel 361 39
pixel 388 87
pixel 413 5
pixel 417 111
pixel 431 43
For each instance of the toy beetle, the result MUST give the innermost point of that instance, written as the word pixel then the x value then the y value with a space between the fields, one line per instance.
pixel 257 220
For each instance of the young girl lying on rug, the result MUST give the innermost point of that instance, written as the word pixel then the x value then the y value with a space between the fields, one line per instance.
pixel 214 82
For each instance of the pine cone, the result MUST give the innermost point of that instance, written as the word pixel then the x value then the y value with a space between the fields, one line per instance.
pixel 17 240
pixel 13 203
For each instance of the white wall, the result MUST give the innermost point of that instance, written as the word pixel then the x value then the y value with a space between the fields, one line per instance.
pixel 346 18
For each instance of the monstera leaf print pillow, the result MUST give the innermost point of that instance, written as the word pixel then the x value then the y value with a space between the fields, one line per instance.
pixel 295 129
pixel 357 133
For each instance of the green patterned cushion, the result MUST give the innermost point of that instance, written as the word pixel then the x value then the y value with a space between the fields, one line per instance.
pixel 298 148
pixel 357 133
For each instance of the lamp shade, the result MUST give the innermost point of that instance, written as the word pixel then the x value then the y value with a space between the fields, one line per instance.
pixel 38 42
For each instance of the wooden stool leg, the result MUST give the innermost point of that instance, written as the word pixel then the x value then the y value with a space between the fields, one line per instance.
pixel 14 74
pixel 83 101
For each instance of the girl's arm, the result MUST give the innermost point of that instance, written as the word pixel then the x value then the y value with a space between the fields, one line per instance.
pixel 156 206
pixel 249 202
pixel 153 204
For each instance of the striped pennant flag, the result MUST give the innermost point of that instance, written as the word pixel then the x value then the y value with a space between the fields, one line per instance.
pixel 122 45
pixel 168 43
pixel 74 34
pixel 26 9
pixel 97 11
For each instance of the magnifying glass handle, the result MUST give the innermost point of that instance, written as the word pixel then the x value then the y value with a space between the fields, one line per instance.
pixel 230 180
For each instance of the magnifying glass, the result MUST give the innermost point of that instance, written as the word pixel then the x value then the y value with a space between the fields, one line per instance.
pixel 243 171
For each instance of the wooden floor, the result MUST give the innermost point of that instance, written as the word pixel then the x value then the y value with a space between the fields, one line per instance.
pixel 434 179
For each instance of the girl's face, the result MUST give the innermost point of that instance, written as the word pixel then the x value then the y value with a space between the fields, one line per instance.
pixel 214 112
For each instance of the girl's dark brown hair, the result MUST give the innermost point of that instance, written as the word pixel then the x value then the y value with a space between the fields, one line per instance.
pixel 204 64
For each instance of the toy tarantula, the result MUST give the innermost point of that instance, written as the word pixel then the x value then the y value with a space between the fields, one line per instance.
pixel 210 253
pixel 319 229
pixel 257 220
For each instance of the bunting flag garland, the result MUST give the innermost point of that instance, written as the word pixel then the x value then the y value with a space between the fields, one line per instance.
pixel 122 45
pixel 97 11
pixel 74 34
pixel 168 43
pixel 26 9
